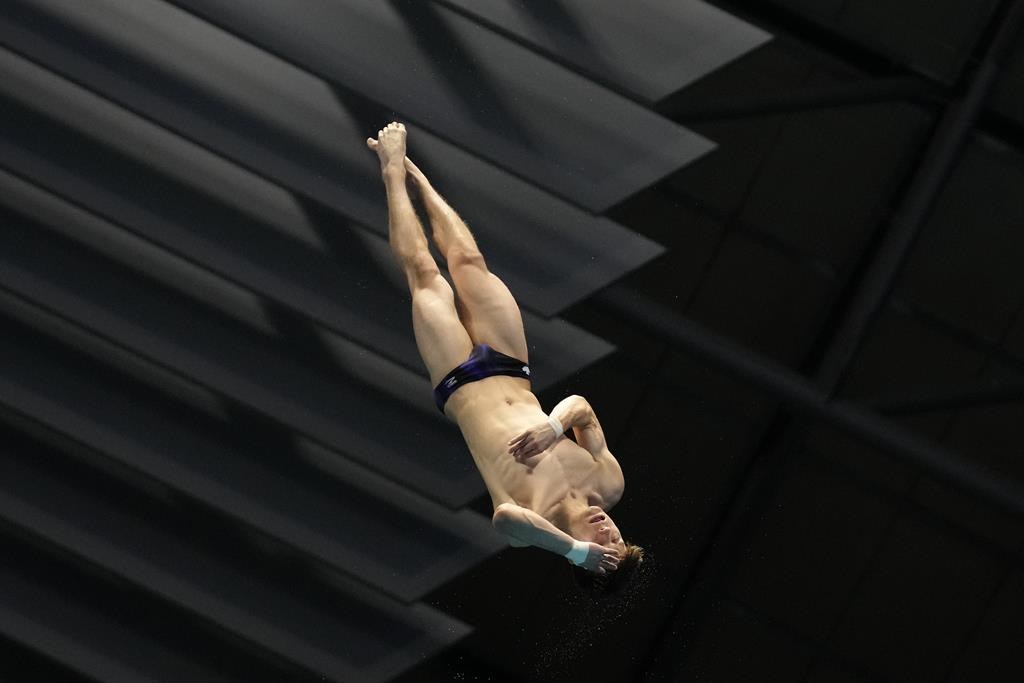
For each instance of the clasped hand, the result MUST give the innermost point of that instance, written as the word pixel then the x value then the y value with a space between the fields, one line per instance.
pixel 601 559
pixel 534 440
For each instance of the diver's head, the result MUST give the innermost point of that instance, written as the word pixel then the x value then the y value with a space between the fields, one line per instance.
pixel 613 585
pixel 593 525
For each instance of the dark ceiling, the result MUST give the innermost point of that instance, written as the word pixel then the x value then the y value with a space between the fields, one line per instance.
pixel 776 245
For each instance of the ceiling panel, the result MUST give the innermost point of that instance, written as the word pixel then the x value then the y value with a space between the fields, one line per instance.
pixel 691 238
pixel 933 37
pixel 1008 94
pixel 901 356
pixel 199 96
pixel 1014 341
pixel 824 11
pixel 831 175
pixel 829 672
pixel 648 48
pixel 762 298
pixel 917 604
pixel 965 267
pixel 721 180
pixel 991 527
pixel 732 644
pixel 852 459
pixel 993 654
pixel 992 436
pixel 476 89
pixel 806 553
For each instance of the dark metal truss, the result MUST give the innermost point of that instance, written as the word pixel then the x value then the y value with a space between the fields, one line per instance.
pixel 803 396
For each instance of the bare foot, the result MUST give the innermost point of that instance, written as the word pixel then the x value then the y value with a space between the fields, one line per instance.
pixel 390 146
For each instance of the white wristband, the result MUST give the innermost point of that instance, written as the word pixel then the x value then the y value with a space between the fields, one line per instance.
pixel 578 554
pixel 556 425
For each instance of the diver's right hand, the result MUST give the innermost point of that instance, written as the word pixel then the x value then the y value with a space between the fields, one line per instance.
pixel 601 559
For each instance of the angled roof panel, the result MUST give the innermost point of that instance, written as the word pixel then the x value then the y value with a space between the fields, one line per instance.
pixel 474 88
pixel 302 140
pixel 646 48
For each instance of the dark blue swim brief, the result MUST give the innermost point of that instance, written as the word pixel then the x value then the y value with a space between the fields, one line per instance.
pixel 483 362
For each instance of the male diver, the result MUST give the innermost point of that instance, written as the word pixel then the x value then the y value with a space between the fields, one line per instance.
pixel 547 491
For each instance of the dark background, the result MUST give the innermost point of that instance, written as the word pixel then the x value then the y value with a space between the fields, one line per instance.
pixel 856 233
pixel 787 550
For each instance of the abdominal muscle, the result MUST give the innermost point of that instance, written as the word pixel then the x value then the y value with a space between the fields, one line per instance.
pixel 491 412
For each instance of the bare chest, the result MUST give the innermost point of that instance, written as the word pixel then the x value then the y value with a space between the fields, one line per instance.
pixel 490 413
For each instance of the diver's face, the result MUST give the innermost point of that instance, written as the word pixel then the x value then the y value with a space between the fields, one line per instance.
pixel 594 525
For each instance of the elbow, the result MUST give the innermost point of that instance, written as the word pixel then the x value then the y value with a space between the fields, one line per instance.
pixel 503 516
pixel 586 411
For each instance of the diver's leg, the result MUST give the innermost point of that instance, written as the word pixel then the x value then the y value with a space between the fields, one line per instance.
pixel 486 307
pixel 449 230
pixel 442 341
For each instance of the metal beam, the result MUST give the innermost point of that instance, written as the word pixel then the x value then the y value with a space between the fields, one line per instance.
pixel 817 399
pixel 803 396
pixel 949 140
pixel 895 89
pixel 909 404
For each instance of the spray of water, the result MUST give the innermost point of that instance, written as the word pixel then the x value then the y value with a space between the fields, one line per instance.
pixel 565 646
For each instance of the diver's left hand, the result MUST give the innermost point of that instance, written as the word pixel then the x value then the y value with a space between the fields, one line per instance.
pixel 533 441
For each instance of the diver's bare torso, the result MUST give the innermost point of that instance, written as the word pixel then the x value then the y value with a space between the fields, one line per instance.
pixel 492 411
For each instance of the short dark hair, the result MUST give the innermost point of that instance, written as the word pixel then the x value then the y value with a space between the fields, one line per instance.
pixel 599 587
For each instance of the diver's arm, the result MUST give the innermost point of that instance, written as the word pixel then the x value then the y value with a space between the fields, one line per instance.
pixel 590 436
pixel 571 411
pixel 529 528
pixel 575 413
pixel 526 526
pixel 588 432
